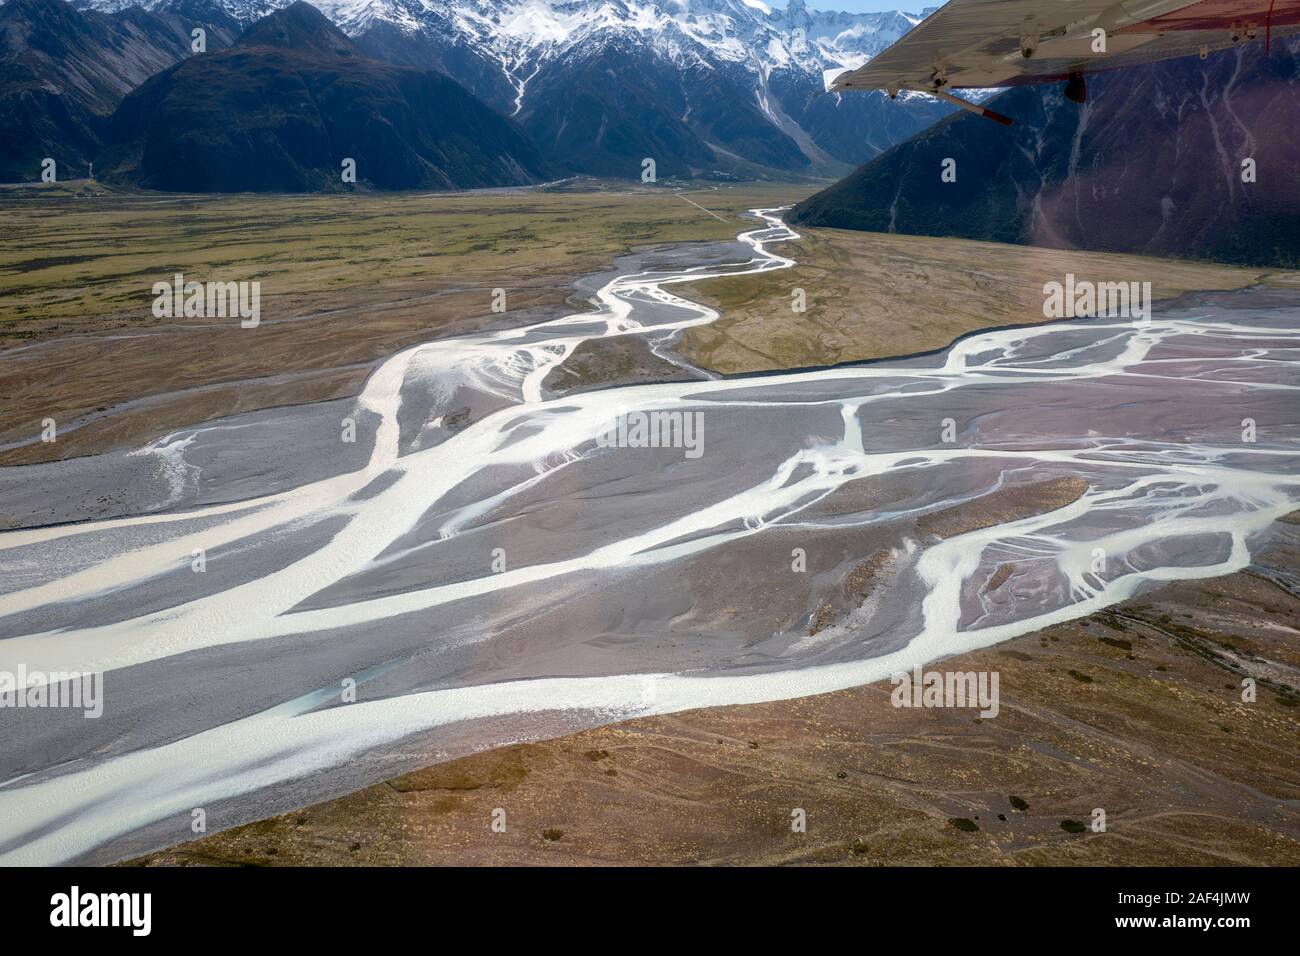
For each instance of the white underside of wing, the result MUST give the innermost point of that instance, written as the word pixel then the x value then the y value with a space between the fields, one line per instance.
pixel 982 43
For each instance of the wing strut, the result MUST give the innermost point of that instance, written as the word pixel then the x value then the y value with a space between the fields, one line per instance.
pixel 972 107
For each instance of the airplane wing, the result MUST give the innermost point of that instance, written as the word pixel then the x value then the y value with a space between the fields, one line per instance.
pixel 994 43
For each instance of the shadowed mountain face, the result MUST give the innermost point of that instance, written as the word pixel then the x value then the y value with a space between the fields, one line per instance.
pixel 716 88
pixel 604 112
pixel 1154 163
pixel 710 88
pixel 63 71
pixel 282 108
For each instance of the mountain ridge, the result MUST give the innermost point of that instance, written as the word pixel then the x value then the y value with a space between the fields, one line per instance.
pixel 288 102
pixel 728 73
pixel 64 71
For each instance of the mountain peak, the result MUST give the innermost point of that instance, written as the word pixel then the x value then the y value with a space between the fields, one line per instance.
pixel 710 87
pixel 41 11
pixel 300 27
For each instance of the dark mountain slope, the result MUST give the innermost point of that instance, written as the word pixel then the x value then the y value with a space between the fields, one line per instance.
pixel 281 108
pixel 609 96
pixel 63 71
pixel 704 86
pixel 602 111
pixel 435 48
pixel 857 127
pixel 608 103
pixel 1152 164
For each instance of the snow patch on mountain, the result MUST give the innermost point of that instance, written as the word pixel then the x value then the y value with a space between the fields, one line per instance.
pixel 682 77
pixel 519 33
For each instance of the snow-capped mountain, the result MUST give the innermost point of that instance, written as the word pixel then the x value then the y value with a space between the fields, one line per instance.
pixel 190 128
pixel 701 86
pixel 515 30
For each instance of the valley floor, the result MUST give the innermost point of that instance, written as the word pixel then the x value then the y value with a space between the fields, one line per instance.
pixel 873 295
pixel 1136 710
pixel 346 280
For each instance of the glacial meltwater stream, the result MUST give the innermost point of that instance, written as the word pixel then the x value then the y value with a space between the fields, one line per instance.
pixel 485 570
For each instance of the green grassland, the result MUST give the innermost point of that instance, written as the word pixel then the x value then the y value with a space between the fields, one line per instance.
pixel 871 295
pixel 346 280
pixel 76 254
